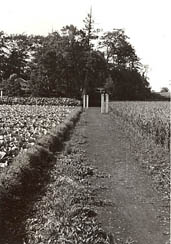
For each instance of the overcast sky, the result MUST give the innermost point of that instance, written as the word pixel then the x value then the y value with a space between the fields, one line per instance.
pixel 146 22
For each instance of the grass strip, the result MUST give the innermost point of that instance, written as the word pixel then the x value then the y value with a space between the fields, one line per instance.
pixel 27 176
pixel 67 211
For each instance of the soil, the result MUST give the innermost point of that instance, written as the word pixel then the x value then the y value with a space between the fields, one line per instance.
pixel 133 208
pixel 100 165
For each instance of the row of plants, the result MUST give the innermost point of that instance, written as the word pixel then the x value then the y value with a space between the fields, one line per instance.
pixel 55 202
pixel 67 212
pixel 150 118
pixel 22 125
pixel 147 126
pixel 26 176
pixel 60 101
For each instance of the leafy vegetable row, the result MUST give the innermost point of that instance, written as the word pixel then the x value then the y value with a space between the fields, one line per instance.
pixel 22 125
pixel 61 101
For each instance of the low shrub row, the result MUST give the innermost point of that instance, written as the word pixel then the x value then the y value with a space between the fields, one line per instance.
pixel 67 212
pixel 22 178
pixel 22 125
pixel 60 101
pixel 66 208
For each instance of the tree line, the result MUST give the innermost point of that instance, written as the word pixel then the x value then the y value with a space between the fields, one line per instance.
pixel 72 61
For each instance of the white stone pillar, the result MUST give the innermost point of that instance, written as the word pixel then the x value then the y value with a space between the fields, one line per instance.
pixel 84 101
pixel 1 94
pixel 107 103
pixel 102 103
pixel 87 101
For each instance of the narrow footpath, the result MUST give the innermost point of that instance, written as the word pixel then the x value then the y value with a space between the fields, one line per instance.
pixel 132 206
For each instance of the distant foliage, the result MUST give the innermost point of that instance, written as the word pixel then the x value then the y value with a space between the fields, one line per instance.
pixel 43 101
pixel 72 61
pixel 12 86
pixel 164 89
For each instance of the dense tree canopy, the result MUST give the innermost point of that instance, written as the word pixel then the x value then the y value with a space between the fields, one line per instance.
pixel 72 61
pixel 118 51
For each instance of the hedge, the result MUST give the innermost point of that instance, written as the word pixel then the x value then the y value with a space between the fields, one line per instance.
pixel 60 101
pixel 31 167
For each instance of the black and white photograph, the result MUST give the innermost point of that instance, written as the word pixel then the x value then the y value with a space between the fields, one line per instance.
pixel 85 92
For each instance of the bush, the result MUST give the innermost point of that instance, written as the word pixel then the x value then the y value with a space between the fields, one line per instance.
pixel 61 101
pixel 29 166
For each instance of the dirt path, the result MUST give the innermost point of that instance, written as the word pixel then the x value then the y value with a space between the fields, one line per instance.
pixel 133 206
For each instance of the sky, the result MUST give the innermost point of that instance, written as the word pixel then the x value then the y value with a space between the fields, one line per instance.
pixel 146 23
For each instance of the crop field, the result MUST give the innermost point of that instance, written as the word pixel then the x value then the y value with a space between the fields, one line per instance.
pixel 152 119
pixel 22 125
pixel 147 124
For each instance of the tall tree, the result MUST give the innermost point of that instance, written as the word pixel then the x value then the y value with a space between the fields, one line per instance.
pixel 88 35
pixel 15 63
pixel 17 48
pixel 3 54
pixel 12 86
pixel 74 57
pixel 118 51
pixel 49 65
pixel 129 85
pixel 124 67
pixel 86 67
pixel 68 62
